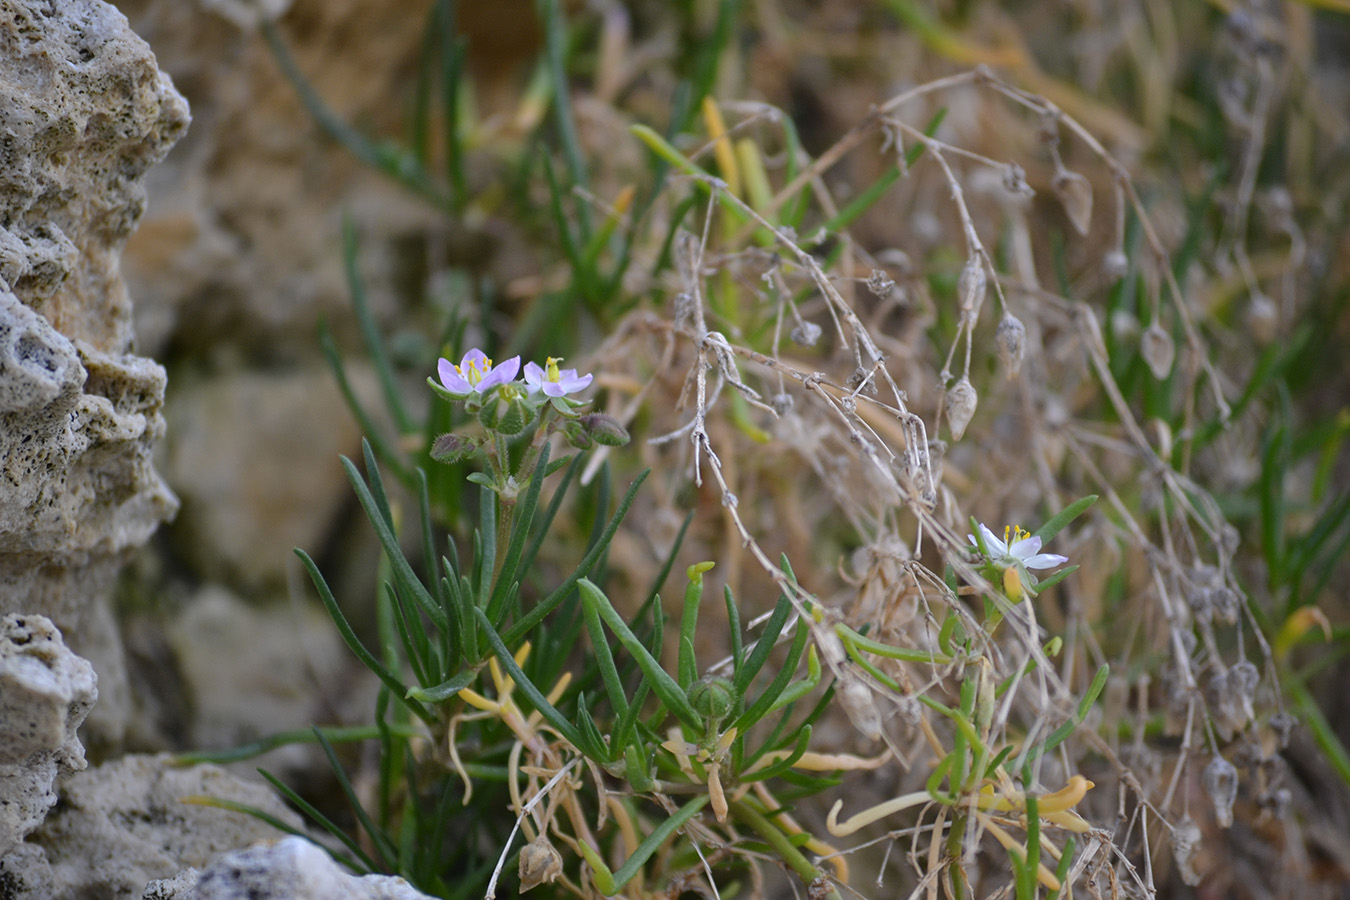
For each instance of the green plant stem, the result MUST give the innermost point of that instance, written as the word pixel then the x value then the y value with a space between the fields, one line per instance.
pixel 752 813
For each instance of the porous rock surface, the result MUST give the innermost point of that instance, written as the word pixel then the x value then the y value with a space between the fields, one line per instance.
pixel 45 693
pixel 289 869
pixel 126 823
pixel 84 113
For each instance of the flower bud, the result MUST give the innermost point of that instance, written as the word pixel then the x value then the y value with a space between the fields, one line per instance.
pixel 516 416
pixel 712 698
pixel 577 435
pixel 605 429
pixel 961 401
pixel 1012 341
pixel 452 448
pixel 1156 346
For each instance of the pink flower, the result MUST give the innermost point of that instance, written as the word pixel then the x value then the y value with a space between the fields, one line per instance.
pixel 552 381
pixel 475 373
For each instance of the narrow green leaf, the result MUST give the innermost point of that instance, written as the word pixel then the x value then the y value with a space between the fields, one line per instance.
pixel 445 690
pixel 764 703
pixel 354 643
pixel 665 687
pixel 532 618
pixel 605 660
pixel 653 841
pixel 560 723
pixel 1058 522
pixel 509 572
pixel 383 846
pixel 759 654
pixel 403 573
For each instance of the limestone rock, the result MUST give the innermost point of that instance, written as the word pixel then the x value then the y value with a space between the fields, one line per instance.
pixel 25 875
pixel 290 869
pixel 251 671
pixel 125 823
pixel 45 693
pixel 85 113
pixel 251 495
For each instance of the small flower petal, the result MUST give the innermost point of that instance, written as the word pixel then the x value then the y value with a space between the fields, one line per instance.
pixel 475 358
pixel 1044 560
pixel 499 374
pixel 534 376
pixel 1028 546
pixel 453 381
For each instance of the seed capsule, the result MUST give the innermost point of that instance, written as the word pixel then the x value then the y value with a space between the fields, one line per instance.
pixel 1220 782
pixel 1156 346
pixel 971 287
pixel 1075 193
pixel 1012 341
pixel 961 401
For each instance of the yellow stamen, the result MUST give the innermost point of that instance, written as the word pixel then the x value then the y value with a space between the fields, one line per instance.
pixel 551 369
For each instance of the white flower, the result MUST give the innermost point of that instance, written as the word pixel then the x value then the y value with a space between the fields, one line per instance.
pixel 1016 547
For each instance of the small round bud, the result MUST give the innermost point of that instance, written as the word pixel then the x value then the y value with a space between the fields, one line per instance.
pixel 1156 346
pixel 577 435
pixel 605 429
pixel 713 698
pixel 1012 341
pixel 453 448
pixel 961 401
pixel 515 417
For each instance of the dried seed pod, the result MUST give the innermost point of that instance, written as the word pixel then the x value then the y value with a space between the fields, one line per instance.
pixel 961 401
pixel 806 333
pixel 540 862
pixel 971 287
pixel 861 380
pixel 1282 723
pixel 1185 846
pixel 1220 782
pixel 880 284
pixel 1015 181
pixel 1156 346
pixel 1075 193
pixel 856 698
pixel 1012 341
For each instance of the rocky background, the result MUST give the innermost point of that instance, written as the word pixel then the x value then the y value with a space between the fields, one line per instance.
pixel 209 272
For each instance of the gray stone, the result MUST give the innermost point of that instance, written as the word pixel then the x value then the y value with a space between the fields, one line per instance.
pixel 45 693
pixel 25 875
pixel 85 112
pixel 126 823
pixel 291 869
